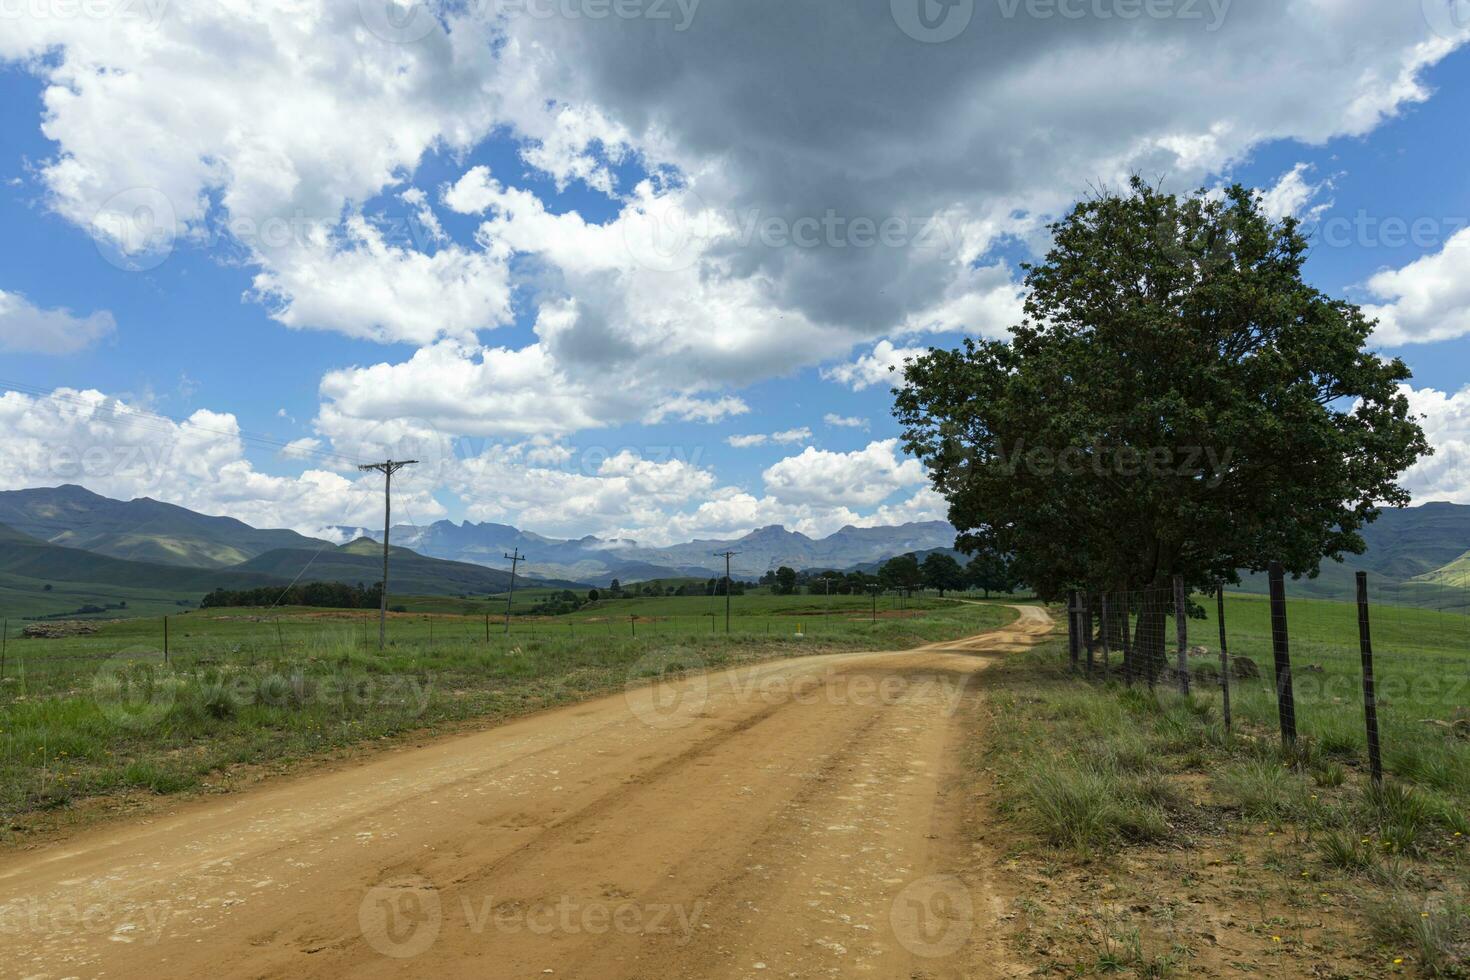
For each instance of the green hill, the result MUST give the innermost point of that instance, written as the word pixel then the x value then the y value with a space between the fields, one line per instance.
pixel 42 579
pixel 1415 556
pixel 362 561
pixel 138 530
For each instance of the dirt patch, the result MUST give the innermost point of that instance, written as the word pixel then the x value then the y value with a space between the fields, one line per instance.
pixel 59 630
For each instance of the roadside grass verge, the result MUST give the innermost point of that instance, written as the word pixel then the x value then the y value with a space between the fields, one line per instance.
pixel 91 727
pixel 1146 839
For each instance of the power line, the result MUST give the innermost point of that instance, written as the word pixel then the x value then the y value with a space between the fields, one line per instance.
pixel 387 468
pixel 515 559
pixel 729 586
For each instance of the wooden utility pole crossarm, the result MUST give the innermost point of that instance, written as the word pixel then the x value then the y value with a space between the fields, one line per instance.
pixel 729 586
pixel 515 559
pixel 387 468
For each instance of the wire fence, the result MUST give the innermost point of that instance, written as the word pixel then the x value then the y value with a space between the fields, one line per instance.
pixel 200 639
pixel 1381 683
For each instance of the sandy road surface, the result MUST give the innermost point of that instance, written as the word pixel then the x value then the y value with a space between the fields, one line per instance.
pixel 797 819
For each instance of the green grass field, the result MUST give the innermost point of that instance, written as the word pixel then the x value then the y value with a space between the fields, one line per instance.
pixel 1203 841
pixel 89 716
pixel 21 598
pixel 1421 664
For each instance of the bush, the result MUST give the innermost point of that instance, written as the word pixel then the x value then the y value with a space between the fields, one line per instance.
pixel 1263 789
pixel 1345 852
pixel 1432 931
pixel 1401 815
pixel 1084 808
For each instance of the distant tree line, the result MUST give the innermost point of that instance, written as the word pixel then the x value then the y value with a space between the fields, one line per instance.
pixel 329 595
pixel 938 571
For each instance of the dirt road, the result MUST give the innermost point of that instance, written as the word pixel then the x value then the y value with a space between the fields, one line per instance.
pixel 797 819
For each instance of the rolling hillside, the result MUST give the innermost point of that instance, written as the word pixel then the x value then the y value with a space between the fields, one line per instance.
pixel 1416 556
pixel 139 530
pixel 362 561
pixel 38 578
pixel 41 579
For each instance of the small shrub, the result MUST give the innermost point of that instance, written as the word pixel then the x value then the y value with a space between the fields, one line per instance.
pixel 1339 741
pixel 1154 790
pixel 1346 852
pixel 1262 789
pixel 1071 807
pixel 1244 668
pixel 1432 932
pixel 1402 816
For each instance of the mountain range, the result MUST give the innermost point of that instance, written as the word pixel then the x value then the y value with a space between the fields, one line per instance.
pixel 599 560
pixel 1417 555
pixel 65 548
pixel 139 530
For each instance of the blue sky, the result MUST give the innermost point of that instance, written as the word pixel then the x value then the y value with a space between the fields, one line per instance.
pixel 479 287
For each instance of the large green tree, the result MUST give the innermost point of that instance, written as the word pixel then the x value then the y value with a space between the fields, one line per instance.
pixel 942 572
pixel 902 574
pixel 1176 400
pixel 785 581
pixel 991 572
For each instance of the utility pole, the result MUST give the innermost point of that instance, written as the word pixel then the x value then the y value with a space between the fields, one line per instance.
pixel 727 555
pixel 387 469
pixel 515 559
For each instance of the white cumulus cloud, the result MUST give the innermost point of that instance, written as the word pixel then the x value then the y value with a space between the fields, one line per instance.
pixel 27 329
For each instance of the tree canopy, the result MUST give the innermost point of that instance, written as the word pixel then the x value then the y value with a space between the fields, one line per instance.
pixel 1176 400
pixel 942 573
pixel 901 573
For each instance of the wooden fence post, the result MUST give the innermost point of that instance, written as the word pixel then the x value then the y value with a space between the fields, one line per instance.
pixel 1128 665
pixel 1106 641
pixel 1181 630
pixel 1370 698
pixel 165 641
pixel 1073 627
pixel 1281 648
pixel 1224 656
pixel 1087 641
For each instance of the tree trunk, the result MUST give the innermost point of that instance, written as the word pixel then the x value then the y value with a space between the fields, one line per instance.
pixel 1150 645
